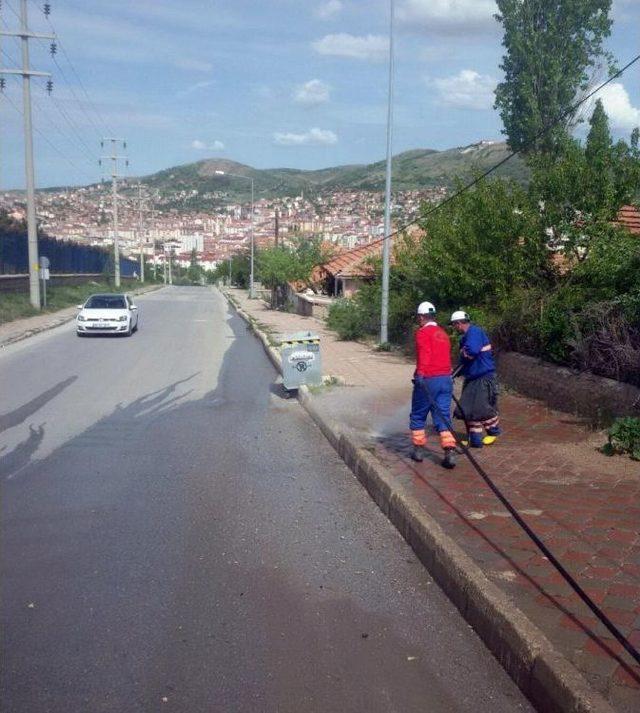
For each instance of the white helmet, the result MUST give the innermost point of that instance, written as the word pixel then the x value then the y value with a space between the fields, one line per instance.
pixel 460 316
pixel 426 308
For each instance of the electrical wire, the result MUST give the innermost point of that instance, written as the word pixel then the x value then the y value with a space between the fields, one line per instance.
pixel 75 132
pixel 507 158
pixel 105 127
pixel 46 139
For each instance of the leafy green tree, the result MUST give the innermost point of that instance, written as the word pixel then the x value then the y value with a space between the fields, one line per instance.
pixel 551 46
pixel 236 269
pixel 194 271
pixel 294 263
pixel 581 189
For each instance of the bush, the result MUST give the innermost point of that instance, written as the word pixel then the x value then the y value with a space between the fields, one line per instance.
pixel 348 318
pixel 624 437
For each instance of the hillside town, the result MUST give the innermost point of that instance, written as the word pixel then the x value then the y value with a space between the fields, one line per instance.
pixel 345 219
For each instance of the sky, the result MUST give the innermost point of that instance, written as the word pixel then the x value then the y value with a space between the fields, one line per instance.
pixel 268 83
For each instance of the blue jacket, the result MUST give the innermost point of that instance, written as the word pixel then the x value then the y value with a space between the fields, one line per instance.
pixel 476 355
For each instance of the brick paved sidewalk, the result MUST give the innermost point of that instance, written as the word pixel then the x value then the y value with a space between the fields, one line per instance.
pixel 585 506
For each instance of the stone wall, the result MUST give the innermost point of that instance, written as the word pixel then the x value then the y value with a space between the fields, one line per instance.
pixel 593 397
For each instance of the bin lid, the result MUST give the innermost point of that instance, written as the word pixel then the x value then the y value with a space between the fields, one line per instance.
pixel 299 337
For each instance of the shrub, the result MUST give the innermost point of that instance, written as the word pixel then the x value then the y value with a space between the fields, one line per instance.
pixel 624 437
pixel 348 318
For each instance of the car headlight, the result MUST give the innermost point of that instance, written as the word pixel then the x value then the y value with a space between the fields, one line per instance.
pixel 81 318
pixel 123 318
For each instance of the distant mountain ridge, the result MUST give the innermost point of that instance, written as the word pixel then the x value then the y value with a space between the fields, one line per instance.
pixel 412 170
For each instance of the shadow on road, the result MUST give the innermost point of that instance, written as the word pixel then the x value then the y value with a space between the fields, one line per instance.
pixel 22 413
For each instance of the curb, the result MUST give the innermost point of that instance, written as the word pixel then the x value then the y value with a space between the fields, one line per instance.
pixel 545 676
pixel 59 321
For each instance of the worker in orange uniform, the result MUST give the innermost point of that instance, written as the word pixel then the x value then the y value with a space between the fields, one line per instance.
pixel 432 386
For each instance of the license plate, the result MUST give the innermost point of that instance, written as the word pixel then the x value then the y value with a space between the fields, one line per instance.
pixel 102 325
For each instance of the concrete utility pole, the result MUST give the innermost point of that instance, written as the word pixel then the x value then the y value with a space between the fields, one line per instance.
pixel 114 158
pixel 386 243
pixel 164 264
pixel 140 232
pixel 27 73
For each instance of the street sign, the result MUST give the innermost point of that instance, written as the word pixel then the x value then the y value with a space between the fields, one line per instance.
pixel 43 274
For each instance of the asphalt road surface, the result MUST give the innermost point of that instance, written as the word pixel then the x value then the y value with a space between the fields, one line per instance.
pixel 176 536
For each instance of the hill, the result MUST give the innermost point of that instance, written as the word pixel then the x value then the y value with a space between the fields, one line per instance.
pixel 412 170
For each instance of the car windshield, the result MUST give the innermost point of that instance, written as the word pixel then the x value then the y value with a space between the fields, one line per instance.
pixel 106 302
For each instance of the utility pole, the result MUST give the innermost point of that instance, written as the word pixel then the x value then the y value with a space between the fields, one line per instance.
pixel 114 158
pixel 164 263
pixel 384 312
pixel 140 232
pixel 26 73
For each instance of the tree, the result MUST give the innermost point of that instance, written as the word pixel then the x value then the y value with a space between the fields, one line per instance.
pixel 194 272
pixel 283 264
pixel 551 45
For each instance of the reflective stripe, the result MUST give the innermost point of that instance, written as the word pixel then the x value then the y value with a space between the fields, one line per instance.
pixel 447 440
pixel 491 422
pixel 419 438
pixel 296 342
pixel 486 348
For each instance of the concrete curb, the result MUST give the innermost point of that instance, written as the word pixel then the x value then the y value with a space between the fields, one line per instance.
pixel 545 676
pixel 70 314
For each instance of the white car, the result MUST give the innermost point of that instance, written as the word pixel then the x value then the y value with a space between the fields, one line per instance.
pixel 107 314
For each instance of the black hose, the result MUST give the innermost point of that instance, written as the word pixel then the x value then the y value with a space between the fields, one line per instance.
pixel 633 652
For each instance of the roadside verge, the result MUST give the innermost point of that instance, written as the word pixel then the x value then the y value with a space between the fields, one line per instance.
pixel 546 677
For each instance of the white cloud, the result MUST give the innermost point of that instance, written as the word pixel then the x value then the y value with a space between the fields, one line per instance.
pixel 202 146
pixel 328 9
pixel 448 16
pixel 370 47
pixel 316 136
pixel 311 93
pixel 466 90
pixel 617 103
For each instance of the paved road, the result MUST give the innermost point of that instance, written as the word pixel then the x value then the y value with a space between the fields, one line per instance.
pixel 177 537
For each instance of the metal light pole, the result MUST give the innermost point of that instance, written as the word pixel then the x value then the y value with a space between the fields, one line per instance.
pixel 246 178
pixel 140 232
pixel 386 247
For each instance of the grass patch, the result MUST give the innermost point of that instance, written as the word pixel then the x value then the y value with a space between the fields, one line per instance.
pixel 16 305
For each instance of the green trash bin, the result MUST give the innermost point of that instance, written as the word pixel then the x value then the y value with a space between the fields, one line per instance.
pixel 301 363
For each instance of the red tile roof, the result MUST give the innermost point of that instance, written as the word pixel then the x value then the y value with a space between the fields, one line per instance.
pixel 629 218
pixel 352 262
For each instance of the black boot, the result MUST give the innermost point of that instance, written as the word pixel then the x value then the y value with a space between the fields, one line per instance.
pixel 449 460
pixel 417 454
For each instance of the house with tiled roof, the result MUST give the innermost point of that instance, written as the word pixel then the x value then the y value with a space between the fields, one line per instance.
pixel 629 218
pixel 345 272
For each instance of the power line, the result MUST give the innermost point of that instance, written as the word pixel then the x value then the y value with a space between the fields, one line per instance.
pixel 104 125
pixel 501 163
pixel 46 139
pixel 70 138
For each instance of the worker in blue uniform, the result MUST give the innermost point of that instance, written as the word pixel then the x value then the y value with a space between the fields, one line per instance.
pixel 479 399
